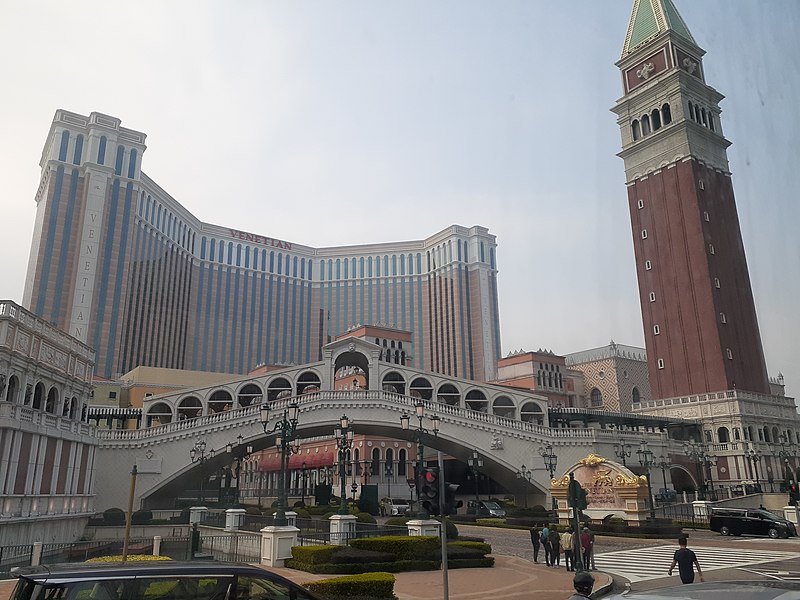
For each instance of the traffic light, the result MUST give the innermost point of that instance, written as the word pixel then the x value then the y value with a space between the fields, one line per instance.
pixel 429 490
pixel 451 505
pixel 794 495
pixel 577 495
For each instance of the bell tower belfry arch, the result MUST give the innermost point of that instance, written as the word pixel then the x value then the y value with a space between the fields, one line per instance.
pixel 700 325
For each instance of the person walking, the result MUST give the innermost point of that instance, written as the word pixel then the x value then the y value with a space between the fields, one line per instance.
pixel 586 547
pixel 566 544
pixel 686 561
pixel 583 582
pixel 548 549
pixel 591 547
pixel 536 540
pixel 555 547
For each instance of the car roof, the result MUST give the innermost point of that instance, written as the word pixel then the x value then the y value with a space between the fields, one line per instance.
pixel 138 568
pixel 730 590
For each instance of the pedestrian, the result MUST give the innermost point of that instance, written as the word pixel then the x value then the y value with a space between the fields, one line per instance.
pixel 383 507
pixel 555 546
pixel 548 549
pixel 583 582
pixel 586 547
pixel 591 547
pixel 536 540
pixel 566 544
pixel 686 561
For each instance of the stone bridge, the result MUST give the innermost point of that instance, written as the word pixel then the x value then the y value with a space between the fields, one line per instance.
pixel 161 453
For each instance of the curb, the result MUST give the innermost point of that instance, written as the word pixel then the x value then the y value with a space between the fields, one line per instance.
pixel 603 589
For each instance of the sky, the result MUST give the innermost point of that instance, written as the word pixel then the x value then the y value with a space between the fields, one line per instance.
pixel 327 123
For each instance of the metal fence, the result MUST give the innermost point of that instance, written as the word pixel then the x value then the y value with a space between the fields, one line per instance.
pixel 239 547
pixel 683 514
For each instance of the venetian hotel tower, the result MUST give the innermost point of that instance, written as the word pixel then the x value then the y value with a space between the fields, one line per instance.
pixel 122 266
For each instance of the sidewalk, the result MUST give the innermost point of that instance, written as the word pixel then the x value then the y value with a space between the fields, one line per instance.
pixel 511 577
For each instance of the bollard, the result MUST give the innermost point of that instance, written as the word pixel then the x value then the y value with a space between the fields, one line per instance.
pixel 195 541
pixel 36 554
pixel 157 545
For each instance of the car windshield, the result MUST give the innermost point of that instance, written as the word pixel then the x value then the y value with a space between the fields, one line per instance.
pixel 399 501
pixel 492 505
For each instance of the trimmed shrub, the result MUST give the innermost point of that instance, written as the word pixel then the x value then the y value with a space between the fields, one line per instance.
pixel 481 547
pixel 404 548
pixel 490 522
pixel 329 514
pixel 397 521
pixel 359 556
pixel 470 538
pixel 131 558
pixel 314 555
pixel 114 516
pixel 471 563
pixel 397 566
pixel 318 510
pixel 364 517
pixel 142 517
pixel 253 511
pixel 367 585
pixel 299 504
pixel 302 513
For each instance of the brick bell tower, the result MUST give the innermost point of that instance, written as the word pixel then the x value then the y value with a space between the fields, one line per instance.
pixel 700 325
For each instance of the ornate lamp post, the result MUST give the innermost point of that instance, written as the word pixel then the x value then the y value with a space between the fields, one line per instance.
pixel 239 456
pixel 419 436
pixel 354 489
pixel 784 450
pixel 388 473
pixel 198 455
pixel 662 462
pixel 622 451
pixel 754 457
pixel 344 441
pixel 286 430
pixel 697 454
pixel 647 460
pixel 550 463
pixel 524 475
pixel 475 463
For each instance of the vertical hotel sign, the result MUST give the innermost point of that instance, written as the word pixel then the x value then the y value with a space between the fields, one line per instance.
pixel 86 274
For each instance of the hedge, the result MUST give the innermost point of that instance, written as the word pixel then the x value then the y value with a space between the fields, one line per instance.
pixel 142 517
pixel 490 522
pixel 404 548
pixel 372 585
pixel 360 556
pixel 315 555
pixel 397 566
pixel 478 546
pixel 114 516
pixel 470 563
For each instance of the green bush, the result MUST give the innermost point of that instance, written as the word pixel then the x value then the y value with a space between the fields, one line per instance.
pixel 490 522
pixel 314 555
pixel 397 521
pixel 329 514
pixel 471 563
pixel 404 548
pixel 481 547
pixel 253 511
pixel 114 516
pixel 397 566
pixel 371 585
pixel 318 510
pixel 364 517
pixel 360 556
pixel 299 504
pixel 142 517
pixel 302 513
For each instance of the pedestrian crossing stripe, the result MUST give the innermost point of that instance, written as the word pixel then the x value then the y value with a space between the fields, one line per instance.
pixel 652 562
pixel 779 575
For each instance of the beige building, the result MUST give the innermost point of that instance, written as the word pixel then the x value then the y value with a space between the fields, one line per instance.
pixel 614 377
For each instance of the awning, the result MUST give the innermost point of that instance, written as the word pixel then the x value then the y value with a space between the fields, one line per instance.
pixel 313 460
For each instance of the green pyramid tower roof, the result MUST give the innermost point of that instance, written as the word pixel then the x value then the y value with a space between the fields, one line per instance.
pixel 650 18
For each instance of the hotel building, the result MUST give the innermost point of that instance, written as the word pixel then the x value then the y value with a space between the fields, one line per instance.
pixel 125 268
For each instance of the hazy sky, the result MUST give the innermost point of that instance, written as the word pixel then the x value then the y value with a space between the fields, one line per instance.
pixel 327 123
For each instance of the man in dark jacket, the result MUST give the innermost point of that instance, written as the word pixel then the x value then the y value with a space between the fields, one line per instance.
pixel 555 547
pixel 536 540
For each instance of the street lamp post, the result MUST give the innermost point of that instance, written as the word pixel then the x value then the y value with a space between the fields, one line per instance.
pixel 238 456
pixel 550 463
pixel 475 463
pixel 754 456
pixel 647 460
pixel 419 436
pixel 697 454
pixel 784 450
pixel 286 430
pixel 524 475
pixel 354 489
pixel 663 464
pixel 388 474
pixel 303 470
pixel 198 455
pixel 622 451
pixel 344 441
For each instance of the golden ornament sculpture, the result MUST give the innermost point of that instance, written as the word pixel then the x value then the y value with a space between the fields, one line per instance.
pixel 635 481
pixel 592 460
pixel 563 482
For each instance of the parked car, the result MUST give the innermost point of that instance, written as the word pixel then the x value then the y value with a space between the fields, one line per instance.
pixel 154 580
pixel 739 521
pixel 485 508
pixel 397 507
pixel 730 590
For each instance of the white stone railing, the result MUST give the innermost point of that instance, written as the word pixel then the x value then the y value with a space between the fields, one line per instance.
pixel 31 505
pixel 712 396
pixel 25 414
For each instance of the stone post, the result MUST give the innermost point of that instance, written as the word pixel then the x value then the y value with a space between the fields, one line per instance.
pixel 157 545
pixel 343 529
pixel 197 514
pixel 234 517
pixel 36 554
pixel 701 508
pixel 423 527
pixel 276 544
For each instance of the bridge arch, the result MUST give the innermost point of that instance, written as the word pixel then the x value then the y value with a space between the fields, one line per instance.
pixel 249 393
pixel 190 407
pixel 221 400
pixel 449 394
pixel 503 406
